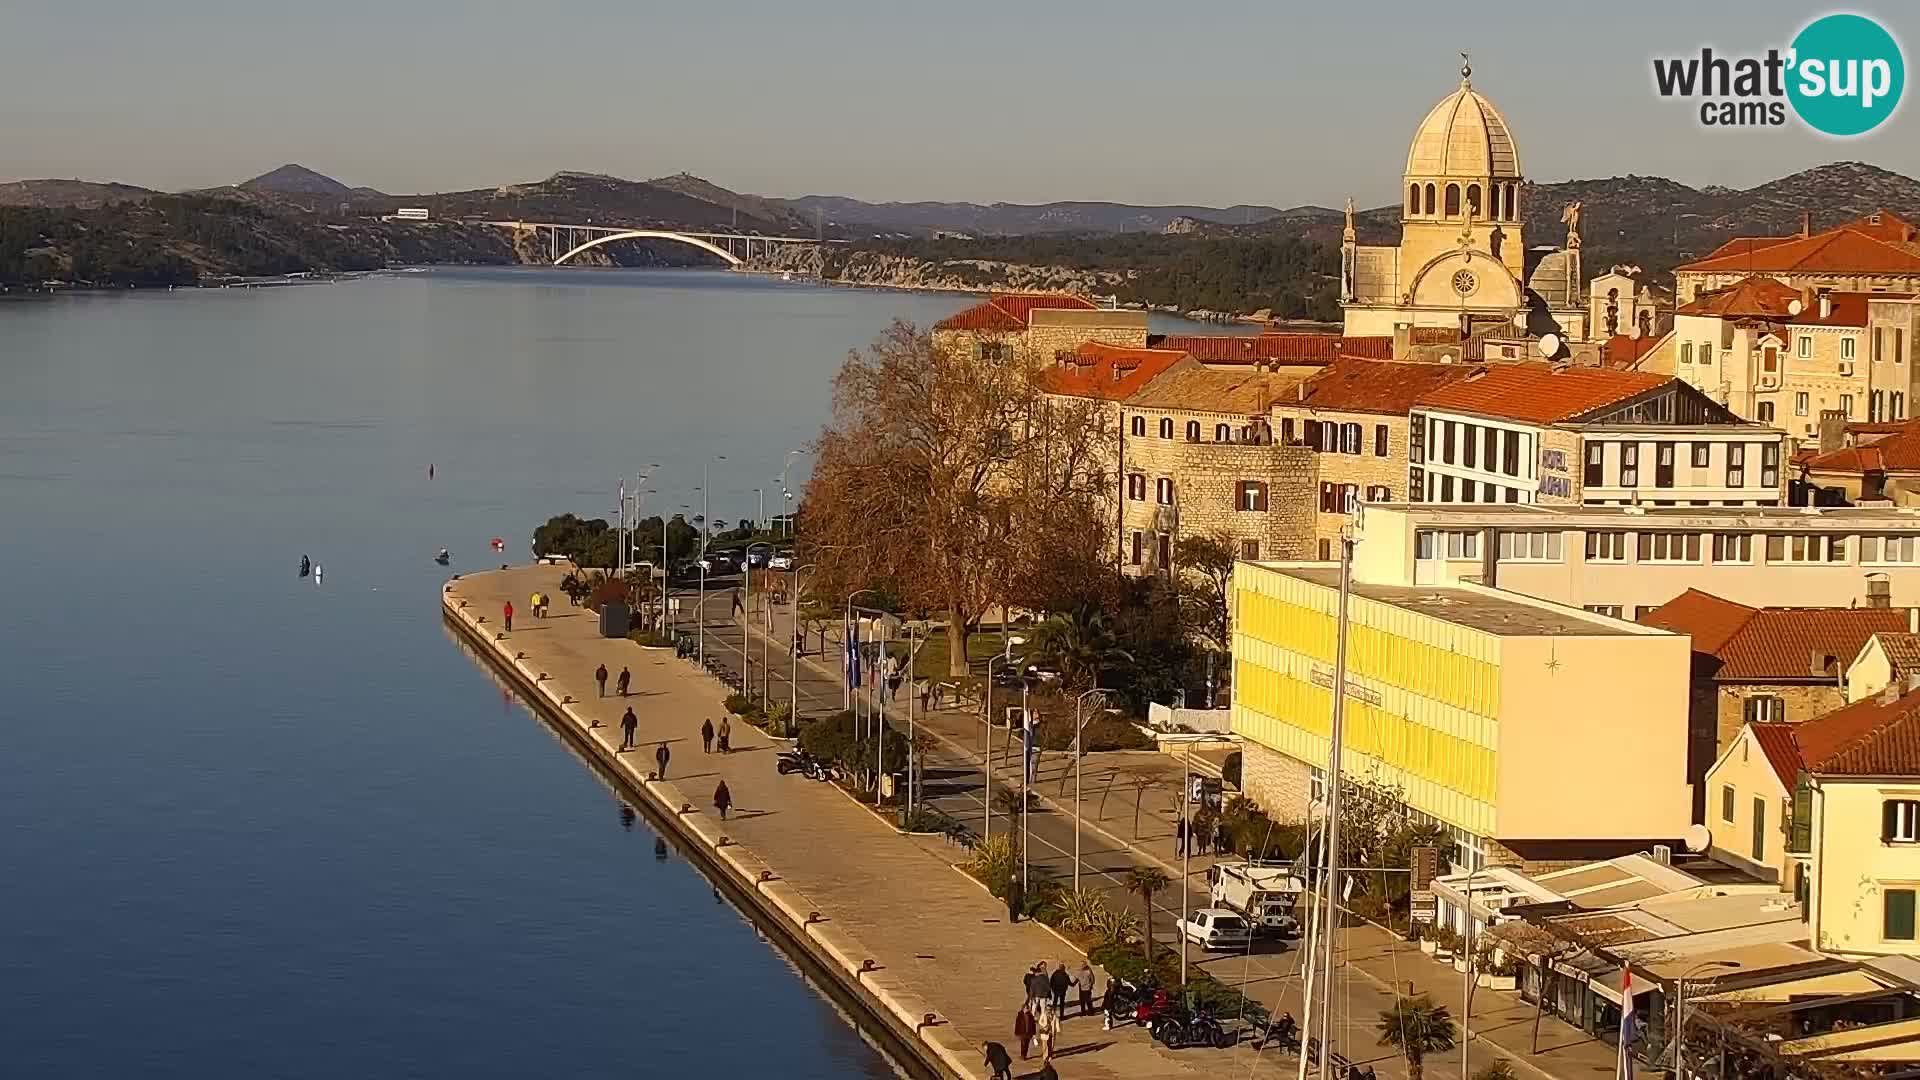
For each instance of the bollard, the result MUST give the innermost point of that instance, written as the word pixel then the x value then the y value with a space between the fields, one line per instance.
pixel 766 875
pixel 927 1020
pixel 686 808
pixel 520 655
pixel 724 841
pixel 499 637
pixel 868 965
pixel 813 917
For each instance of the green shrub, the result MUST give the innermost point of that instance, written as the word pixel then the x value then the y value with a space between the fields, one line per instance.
pixel 1230 772
pixel 837 738
pixel 742 705
pixel 652 639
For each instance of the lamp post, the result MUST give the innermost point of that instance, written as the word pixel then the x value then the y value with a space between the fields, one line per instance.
pixel 846 642
pixel 1079 725
pixel 705 525
pixel 1680 1010
pixel 793 678
pixel 986 726
pixel 1466 983
pixel 746 666
pixel 786 493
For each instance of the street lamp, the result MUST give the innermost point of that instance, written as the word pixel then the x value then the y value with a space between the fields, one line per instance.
pixel 793 680
pixel 986 726
pixel 746 667
pixel 1680 1010
pixel 706 523
pixel 1079 725
pixel 786 493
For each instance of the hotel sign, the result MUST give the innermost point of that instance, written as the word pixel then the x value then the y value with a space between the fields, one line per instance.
pixel 1554 478
pixel 1323 677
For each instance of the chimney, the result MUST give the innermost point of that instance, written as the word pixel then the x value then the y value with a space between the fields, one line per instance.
pixel 1913 620
pixel 1891 692
pixel 1402 340
pixel 1818 662
pixel 1806 223
pixel 1826 304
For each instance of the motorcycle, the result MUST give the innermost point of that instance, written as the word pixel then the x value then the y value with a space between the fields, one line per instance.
pixel 1176 1028
pixel 1123 999
pixel 1280 1031
pixel 799 761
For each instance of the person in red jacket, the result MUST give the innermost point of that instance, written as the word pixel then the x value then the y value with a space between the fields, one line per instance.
pixel 508 612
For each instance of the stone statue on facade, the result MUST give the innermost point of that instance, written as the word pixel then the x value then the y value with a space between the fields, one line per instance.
pixel 1570 217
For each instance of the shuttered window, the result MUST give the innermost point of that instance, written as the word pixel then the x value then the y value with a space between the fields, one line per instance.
pixel 1899 917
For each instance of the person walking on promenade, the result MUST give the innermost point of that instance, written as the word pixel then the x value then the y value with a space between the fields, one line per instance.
pixel 662 755
pixel 1016 899
pixel 628 724
pixel 625 679
pixel 1023 1029
pixel 1058 984
pixel 1046 1028
pixel 626 719
pixel 706 736
pixel 1034 985
pixel 507 610
pixel 533 603
pixel 722 799
pixel 999 1061
pixel 726 734
pixel 1084 981
pixel 600 676
pixel 1180 836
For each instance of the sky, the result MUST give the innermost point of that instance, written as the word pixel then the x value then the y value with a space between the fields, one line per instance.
pixel 1213 103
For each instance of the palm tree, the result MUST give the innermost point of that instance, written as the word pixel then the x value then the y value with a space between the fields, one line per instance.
pixel 1147 880
pixel 1082 642
pixel 1418 1027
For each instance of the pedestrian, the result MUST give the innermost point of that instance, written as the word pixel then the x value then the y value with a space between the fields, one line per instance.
pixel 1034 985
pixel 738 607
pixel 1023 1030
pixel 600 677
pixel 726 734
pixel 1046 1028
pixel 1222 840
pixel 507 610
pixel 628 724
pixel 626 677
pixel 533 604
pixel 1016 899
pixel 662 755
pixel 626 718
pixel 1058 984
pixel 999 1061
pixel 706 736
pixel 926 695
pixel 722 799
pixel 1084 981
pixel 1180 836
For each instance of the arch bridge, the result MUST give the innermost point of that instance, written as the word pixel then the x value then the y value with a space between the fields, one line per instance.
pixel 564 241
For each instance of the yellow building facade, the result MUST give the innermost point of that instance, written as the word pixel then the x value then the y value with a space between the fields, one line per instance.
pixel 1471 702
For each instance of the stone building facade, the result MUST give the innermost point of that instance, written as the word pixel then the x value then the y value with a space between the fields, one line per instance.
pixel 1877 253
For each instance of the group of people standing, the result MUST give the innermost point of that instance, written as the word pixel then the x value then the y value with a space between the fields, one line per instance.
pixel 1043 1008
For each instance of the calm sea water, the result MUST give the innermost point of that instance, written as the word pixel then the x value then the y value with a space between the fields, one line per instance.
pixel 254 827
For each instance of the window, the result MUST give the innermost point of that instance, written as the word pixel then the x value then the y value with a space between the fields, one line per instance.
pixel 1759 829
pixel 1803 347
pixel 1413 199
pixel 1897 406
pixel 1596 464
pixel 1379 440
pixel 1726 802
pixel 1349 498
pixel 1250 549
pixel 1611 611
pixel 1510 460
pixel 1900 821
pixel 1703 452
pixel 1429 199
pixel 1166 427
pixel 1446 443
pixel 1770 360
pixel 1166 551
pixel 1329 498
pixel 1770 465
pixel 1663 465
pixel 1467 489
pixel 1890 550
pixel 1606 546
pixel 1732 547
pixel 1706 353
pixel 1669 547
pixel 1286 431
pixel 1136 547
pixel 1446 489
pixel 1470 447
pixel 1736 465
pixel 1800 403
pixel 1846 405
pixel 1139 426
pixel 1224 432
pixel 1898 924
pixel 1350 439
pixel 1847 347
pixel 1473 200
pixel 1379 494
pixel 1329 437
pixel 1763 709
pixel 992 350
pixel 1530 547
pixel 1447 544
pixel 1629 464
pixel 1193 431
pixel 1163 491
pixel 1453 200
pixel 1252 495
pixel 1326 551
pixel 1806 549
pixel 1463 545
pixel 1136 486
pixel 1686 352
pixel 1764 412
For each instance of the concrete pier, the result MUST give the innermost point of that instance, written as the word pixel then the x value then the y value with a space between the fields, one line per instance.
pixel 926 949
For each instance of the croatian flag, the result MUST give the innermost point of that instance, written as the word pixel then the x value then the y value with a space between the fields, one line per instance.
pixel 851 637
pixel 1623 1069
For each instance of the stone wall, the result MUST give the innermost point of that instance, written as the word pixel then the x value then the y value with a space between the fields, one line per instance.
pixel 1363 470
pixel 1280 785
pixel 1206 477
pixel 1052 331
pixel 1802 703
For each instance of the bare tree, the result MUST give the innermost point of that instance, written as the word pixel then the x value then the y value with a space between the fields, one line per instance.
pixel 942 474
pixel 1142 779
pixel 1206 586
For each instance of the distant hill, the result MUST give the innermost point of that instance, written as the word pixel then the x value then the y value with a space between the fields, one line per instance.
pixel 749 206
pixel 1005 219
pixel 81 194
pixel 584 197
pixel 291 179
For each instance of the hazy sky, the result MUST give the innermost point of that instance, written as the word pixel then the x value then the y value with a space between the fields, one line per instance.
pixel 1212 102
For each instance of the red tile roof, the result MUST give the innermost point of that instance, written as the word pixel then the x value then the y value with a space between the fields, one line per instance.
pixel 1622 352
pixel 1374 386
pixel 1297 348
pixel 1899 452
pixel 1107 372
pixel 1540 394
pixel 1741 245
pixel 1843 309
pixel 1755 296
pixel 1782 751
pixel 1871 737
pixel 1776 643
pixel 1847 249
pixel 1007 312
pixel 1890 227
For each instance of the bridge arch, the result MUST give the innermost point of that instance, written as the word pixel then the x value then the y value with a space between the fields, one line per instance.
pixel 652 234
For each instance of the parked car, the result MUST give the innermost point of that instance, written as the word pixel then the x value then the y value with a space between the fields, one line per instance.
pixel 717 562
pixel 757 558
pixel 1216 928
pixel 782 561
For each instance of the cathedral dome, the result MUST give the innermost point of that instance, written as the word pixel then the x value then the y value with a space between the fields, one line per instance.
pixel 1464 136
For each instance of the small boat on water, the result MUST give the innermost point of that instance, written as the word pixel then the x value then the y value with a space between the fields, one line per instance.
pixel 443 558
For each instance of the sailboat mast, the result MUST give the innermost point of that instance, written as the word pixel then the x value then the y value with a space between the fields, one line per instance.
pixel 1330 879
